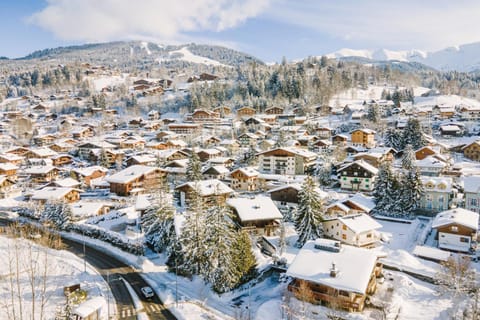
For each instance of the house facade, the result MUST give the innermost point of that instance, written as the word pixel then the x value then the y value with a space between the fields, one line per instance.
pixel 357 176
pixel 289 161
pixel 356 230
pixel 437 195
pixel 471 189
pixel 456 229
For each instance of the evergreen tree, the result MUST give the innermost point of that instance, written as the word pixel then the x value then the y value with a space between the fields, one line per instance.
pixel 393 139
pixel 413 134
pixel 373 113
pixel 194 167
pixel 308 219
pixel 385 191
pixel 59 214
pixel 243 258
pixel 411 192
pixel 408 158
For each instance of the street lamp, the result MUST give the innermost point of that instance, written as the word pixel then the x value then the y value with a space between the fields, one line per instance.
pixel 84 253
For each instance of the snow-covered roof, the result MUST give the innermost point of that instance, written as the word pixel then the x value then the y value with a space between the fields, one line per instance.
pixel 364 202
pixel 365 165
pixel 52 193
pixel 130 173
pixel 39 169
pixel 88 307
pixel 257 208
pixel 8 166
pixel 44 152
pixel 247 171
pixel 67 183
pixel 458 216
pixel 471 184
pixel 430 162
pixel 354 265
pixel 87 171
pixel 360 223
pixel 86 209
pixel 208 187
pixel 218 168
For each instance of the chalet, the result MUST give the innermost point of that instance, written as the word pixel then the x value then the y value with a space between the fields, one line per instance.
pixel 87 174
pixel 42 174
pixel 202 115
pixel 202 77
pixel 40 109
pixel 354 205
pixel 244 179
pixel 64 183
pixel 471 189
pixel 215 172
pixel 424 152
pixel 274 110
pixel 18 151
pixel 357 176
pixel 286 196
pixel 9 170
pixel 453 130
pixel 374 158
pixel 132 142
pixel 340 140
pixel 456 229
pixel 176 144
pixel 84 149
pixel 185 128
pixel 207 154
pixel 289 161
pixel 206 141
pixel 143 82
pixel 144 159
pixel 472 151
pixel 11 158
pixel 363 137
pixel 82 133
pixel 8 188
pixel 211 191
pixel 40 153
pixel 248 139
pixel 170 155
pixel 223 111
pixel 153 115
pixel 61 147
pixel 338 275
pixel 135 179
pixel 44 140
pixel 83 209
pixel 246 112
pixel 356 230
pixel 68 195
pixel 257 215
pixel 437 194
pixel 223 161
pixel 432 165
pixel 323 132
pixel 61 159
pixel 469 112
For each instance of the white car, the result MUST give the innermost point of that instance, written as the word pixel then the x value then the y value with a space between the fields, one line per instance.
pixel 147 292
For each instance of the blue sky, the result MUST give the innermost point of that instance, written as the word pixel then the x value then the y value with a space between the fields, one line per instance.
pixel 268 29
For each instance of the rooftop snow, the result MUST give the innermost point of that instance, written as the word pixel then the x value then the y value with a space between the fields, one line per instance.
pixel 258 208
pixel 459 216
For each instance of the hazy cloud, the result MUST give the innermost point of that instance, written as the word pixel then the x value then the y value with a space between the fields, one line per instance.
pixel 104 20
pixel 429 24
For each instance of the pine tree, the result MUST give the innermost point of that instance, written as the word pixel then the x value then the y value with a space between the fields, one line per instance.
pixel 413 134
pixel 385 191
pixel 373 113
pixel 411 192
pixel 308 219
pixel 408 158
pixel 393 139
pixel 243 258
pixel 194 167
pixel 59 214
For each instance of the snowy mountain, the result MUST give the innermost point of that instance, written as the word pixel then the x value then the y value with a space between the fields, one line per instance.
pixel 462 58
pixel 121 53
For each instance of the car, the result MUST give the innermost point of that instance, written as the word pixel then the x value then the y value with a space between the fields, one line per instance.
pixel 147 292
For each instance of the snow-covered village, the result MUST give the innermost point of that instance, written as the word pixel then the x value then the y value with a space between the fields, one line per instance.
pixel 141 180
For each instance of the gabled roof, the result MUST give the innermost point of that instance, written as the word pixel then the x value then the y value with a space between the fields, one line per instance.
pixel 365 165
pixel 207 187
pixel 249 172
pixel 354 265
pixel 360 223
pixel 52 193
pixel 40 169
pixel 87 171
pixel 361 201
pixel 458 216
pixel 257 208
pixel 471 184
pixel 292 151
pixel 130 173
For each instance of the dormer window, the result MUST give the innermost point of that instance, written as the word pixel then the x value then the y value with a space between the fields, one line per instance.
pixel 454 228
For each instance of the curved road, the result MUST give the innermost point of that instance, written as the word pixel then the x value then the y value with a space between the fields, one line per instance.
pixel 113 270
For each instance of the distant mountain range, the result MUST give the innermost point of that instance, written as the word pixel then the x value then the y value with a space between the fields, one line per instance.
pixel 464 58
pixel 123 52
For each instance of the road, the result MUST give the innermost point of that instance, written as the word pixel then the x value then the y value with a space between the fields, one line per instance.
pixel 112 270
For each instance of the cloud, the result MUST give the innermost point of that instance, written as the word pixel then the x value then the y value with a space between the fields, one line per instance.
pixel 164 20
pixel 428 24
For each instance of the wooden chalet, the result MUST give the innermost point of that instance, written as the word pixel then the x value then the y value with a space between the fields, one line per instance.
pixel 135 180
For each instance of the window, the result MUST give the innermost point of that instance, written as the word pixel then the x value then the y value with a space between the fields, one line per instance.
pixel 366 186
pixel 454 228
pixel 344 227
pixel 473 202
pixel 369 235
pixel 464 240
pixel 366 180
pixel 344 179
pixel 355 174
pixel 344 236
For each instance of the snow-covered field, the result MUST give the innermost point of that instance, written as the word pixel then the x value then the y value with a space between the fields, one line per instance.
pixel 58 268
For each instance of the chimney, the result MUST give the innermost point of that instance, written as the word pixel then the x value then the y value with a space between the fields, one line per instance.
pixel 333 270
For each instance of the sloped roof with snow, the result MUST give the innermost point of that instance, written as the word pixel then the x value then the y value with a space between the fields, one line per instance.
pixel 52 193
pixel 354 265
pixel 471 184
pixel 360 223
pixel 364 202
pixel 130 173
pixel 257 208
pixel 208 187
pixel 458 216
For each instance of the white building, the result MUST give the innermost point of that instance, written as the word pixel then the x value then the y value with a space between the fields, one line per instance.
pixel 457 229
pixel 471 188
pixel 357 230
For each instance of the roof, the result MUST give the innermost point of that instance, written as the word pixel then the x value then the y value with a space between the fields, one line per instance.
pixel 90 306
pixel 208 187
pixel 471 184
pixel 130 173
pixel 362 201
pixel 365 165
pixel 295 151
pixel 52 193
pixel 40 169
pixel 86 209
pixel 67 182
pixel 257 208
pixel 360 223
pixel 87 171
pixel 354 265
pixel 458 216
pixel 249 172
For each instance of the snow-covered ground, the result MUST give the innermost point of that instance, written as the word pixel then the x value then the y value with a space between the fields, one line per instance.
pixel 186 55
pixel 61 268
